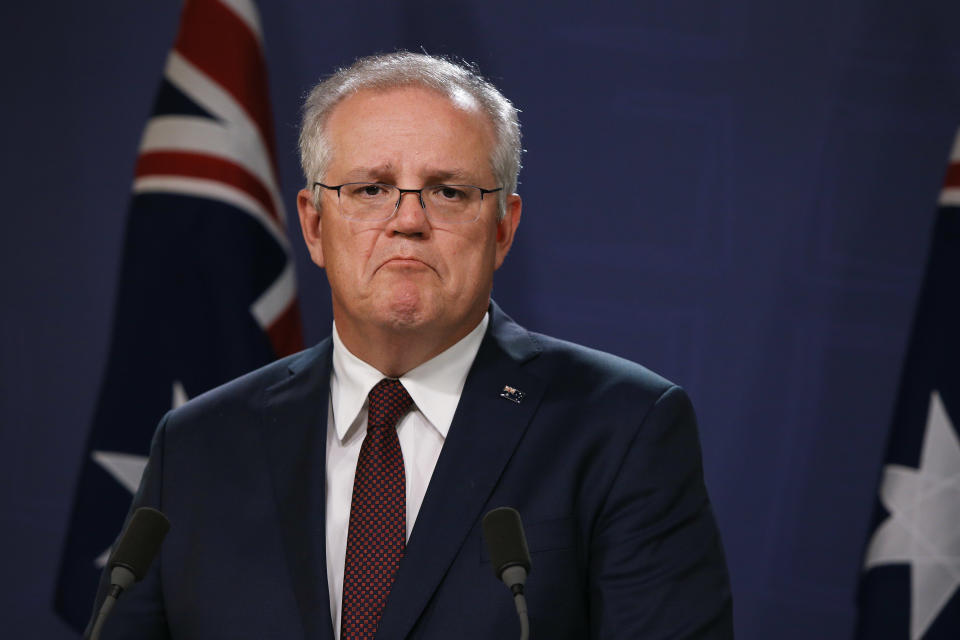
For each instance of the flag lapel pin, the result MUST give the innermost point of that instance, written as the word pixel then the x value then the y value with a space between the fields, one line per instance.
pixel 512 394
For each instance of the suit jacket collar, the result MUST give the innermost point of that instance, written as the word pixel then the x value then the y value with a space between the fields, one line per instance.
pixel 485 431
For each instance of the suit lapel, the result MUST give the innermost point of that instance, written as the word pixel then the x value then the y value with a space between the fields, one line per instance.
pixel 293 429
pixel 485 431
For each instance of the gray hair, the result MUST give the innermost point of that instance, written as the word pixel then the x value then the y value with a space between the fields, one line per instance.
pixel 405 69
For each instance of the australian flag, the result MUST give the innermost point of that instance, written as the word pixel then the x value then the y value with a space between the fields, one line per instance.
pixel 910 586
pixel 207 290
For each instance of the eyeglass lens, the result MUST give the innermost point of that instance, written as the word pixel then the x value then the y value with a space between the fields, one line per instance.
pixel 373 201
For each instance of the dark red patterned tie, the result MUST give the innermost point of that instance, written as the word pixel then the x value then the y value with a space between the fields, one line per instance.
pixel 377 535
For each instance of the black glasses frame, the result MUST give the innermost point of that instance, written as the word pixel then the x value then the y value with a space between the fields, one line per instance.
pixel 419 191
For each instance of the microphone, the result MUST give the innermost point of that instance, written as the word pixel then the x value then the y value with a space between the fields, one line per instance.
pixel 131 558
pixel 507 546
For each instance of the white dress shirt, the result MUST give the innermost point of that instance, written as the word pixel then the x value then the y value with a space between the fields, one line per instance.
pixel 435 387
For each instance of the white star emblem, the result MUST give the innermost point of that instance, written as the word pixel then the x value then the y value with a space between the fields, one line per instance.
pixel 922 529
pixel 127 468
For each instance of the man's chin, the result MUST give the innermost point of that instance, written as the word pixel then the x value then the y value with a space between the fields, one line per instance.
pixel 405 308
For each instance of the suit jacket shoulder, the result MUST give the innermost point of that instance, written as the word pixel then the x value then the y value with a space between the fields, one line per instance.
pixel 607 374
pixel 245 395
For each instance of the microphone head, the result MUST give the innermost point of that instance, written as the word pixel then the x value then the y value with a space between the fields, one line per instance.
pixel 506 542
pixel 140 541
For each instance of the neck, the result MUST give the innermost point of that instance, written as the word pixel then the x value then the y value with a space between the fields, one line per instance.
pixel 394 351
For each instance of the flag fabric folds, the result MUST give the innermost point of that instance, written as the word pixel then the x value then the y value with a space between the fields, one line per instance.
pixel 207 289
pixel 910 586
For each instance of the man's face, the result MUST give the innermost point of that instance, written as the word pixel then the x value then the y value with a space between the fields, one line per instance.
pixel 408 273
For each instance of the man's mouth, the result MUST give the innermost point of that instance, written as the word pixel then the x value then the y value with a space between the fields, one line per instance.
pixel 405 262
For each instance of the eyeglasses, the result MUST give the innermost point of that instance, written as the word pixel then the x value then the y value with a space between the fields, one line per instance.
pixel 376 201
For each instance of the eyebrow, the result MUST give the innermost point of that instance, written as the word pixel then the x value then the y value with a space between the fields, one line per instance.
pixel 384 173
pixel 446 175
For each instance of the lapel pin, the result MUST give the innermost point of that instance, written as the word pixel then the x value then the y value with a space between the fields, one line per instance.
pixel 512 394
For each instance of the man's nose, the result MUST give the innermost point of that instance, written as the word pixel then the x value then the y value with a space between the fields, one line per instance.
pixel 410 217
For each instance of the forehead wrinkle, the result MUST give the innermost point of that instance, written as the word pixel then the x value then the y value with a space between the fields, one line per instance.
pixel 375 173
pixel 445 175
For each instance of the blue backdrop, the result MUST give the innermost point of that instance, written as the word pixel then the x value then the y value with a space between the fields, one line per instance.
pixel 738 195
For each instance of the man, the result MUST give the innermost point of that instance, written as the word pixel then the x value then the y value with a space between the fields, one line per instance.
pixel 339 492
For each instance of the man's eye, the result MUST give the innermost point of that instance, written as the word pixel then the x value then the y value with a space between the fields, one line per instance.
pixel 447 192
pixel 368 191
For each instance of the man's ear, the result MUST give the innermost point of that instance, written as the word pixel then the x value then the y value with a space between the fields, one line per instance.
pixel 507 227
pixel 311 224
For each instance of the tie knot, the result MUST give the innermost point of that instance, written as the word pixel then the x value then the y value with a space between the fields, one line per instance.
pixel 388 402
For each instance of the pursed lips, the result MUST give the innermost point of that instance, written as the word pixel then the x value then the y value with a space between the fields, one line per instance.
pixel 405 261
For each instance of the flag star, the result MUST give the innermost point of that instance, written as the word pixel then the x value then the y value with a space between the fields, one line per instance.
pixel 921 531
pixel 179 395
pixel 127 468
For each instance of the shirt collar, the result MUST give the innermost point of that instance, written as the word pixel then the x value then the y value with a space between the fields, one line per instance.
pixel 435 385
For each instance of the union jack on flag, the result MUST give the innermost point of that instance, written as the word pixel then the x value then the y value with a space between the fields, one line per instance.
pixel 207 289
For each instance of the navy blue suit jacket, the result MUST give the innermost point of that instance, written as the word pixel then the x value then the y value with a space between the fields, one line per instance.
pixel 600 456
